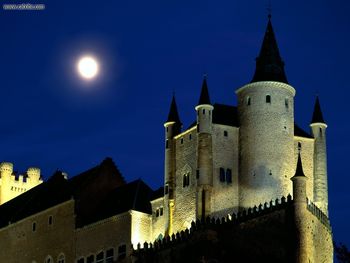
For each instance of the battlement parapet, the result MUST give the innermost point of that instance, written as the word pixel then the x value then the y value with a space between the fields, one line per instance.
pixel 322 217
pixel 208 222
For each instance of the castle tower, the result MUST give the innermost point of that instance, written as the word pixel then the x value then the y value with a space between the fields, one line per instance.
pixel 172 128
pixel 303 249
pixel 266 115
pixel 318 127
pixel 204 175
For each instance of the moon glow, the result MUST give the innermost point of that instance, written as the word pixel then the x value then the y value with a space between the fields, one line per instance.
pixel 88 67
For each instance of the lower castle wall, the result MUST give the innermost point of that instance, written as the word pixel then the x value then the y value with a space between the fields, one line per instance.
pixel 19 243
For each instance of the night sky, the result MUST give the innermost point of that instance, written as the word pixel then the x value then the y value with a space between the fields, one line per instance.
pixel 52 119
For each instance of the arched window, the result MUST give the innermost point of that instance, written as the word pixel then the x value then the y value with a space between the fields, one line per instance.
pixel 90 259
pixel 100 257
pixel 49 259
pixel 186 179
pixel 268 99
pixel 61 259
pixel 110 255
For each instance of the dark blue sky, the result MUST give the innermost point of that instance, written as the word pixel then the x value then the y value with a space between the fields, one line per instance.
pixel 148 49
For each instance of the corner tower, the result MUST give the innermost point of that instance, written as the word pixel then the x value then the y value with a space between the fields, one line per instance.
pixel 172 128
pixel 318 128
pixel 204 175
pixel 266 115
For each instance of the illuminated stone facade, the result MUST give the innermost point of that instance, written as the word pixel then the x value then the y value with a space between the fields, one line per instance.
pixel 12 185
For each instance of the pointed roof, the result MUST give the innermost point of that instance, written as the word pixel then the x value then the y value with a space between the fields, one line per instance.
pixel 317 116
pixel 269 64
pixel 204 98
pixel 299 170
pixel 173 115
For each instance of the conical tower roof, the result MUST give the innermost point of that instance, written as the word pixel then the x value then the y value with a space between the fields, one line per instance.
pixel 204 97
pixel 317 115
pixel 269 64
pixel 173 115
pixel 299 170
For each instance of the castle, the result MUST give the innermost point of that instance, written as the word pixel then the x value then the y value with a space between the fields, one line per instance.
pixel 237 175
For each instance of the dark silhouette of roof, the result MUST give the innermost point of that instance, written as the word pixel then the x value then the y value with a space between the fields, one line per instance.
pixel 204 97
pixel 98 193
pixel 317 115
pixel 173 115
pixel 299 170
pixel 158 193
pixel 225 114
pixel 269 64
pixel 300 132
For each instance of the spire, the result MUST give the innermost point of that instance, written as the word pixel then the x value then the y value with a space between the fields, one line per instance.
pixel 173 113
pixel 269 64
pixel 204 98
pixel 317 116
pixel 299 171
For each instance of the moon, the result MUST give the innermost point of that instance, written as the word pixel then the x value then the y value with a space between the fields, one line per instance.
pixel 88 67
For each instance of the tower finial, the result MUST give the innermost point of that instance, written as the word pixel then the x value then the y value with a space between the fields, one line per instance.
pixel 269 9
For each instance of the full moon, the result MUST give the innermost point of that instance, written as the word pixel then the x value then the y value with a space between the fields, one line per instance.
pixel 88 67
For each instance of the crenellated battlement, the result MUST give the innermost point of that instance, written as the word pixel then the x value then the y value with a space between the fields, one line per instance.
pixel 322 217
pixel 231 219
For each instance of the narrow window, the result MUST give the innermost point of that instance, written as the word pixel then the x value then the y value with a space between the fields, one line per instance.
pixel 198 127
pixel 320 131
pixel 110 255
pixel 166 189
pixel 186 180
pixel 190 136
pixel 268 99
pixel 248 101
pixel 222 174
pixel 50 220
pixel 90 259
pixel 48 259
pixel 167 144
pixel 197 174
pixel 34 227
pixel 161 211
pixel 228 176
pixel 225 133
pixel 182 140
pixel 81 260
pixel 299 146
pixel 203 111
pixel 100 257
pixel 122 251
pixel 209 112
pixel 61 259
pixel 286 103
pixel 167 129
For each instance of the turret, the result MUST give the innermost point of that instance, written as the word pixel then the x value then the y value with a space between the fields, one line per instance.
pixel 172 128
pixel 204 174
pixel 266 116
pixel 303 238
pixel 318 129
pixel 34 174
pixel 6 170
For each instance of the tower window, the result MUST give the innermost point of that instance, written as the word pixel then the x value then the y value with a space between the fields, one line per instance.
pixel 320 131
pixel 203 111
pixel 222 174
pixel 248 101
pixel 268 99
pixel 228 176
pixel 209 112
pixel 167 129
pixel 182 140
pixel 190 136
pixel 122 251
pixel 100 257
pixel 110 255
pixel 34 226
pixel 166 144
pixel 186 180
pixel 225 133
pixel 286 103
pixel 50 220
pixel 166 189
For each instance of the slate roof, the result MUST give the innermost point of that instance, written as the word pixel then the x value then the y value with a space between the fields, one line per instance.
pixel 269 64
pixel 317 115
pixel 204 97
pixel 173 113
pixel 99 192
